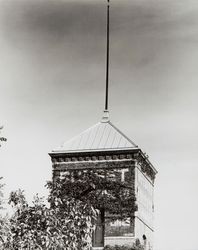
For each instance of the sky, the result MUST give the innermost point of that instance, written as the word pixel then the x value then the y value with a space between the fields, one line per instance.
pixel 52 80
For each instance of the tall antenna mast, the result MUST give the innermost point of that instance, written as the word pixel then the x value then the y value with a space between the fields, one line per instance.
pixel 107 62
pixel 105 117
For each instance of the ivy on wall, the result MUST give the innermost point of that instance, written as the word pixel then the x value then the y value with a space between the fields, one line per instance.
pixel 101 188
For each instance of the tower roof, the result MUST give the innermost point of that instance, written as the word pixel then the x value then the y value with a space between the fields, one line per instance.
pixel 103 136
pixel 100 137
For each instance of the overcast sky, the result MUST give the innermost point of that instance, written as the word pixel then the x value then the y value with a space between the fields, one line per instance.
pixel 52 75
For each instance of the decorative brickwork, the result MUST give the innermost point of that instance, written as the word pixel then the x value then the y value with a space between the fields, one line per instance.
pixel 89 157
pixel 123 163
pixel 146 166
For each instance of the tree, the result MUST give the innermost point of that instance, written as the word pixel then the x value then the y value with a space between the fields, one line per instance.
pixel 4 221
pixel 99 188
pixel 1 193
pixel 68 220
pixel 2 138
pixel 68 224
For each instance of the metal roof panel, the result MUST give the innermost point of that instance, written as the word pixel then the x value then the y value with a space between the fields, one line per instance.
pixel 102 136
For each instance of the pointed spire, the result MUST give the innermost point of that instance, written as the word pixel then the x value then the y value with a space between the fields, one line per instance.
pixel 107 61
pixel 105 117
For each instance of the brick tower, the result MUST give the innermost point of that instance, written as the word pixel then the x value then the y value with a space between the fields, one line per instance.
pixel 103 146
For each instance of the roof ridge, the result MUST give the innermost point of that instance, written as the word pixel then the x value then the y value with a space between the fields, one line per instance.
pixel 119 131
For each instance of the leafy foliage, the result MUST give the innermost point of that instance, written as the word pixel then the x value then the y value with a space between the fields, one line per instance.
pixel 68 225
pixel 4 222
pixel 5 233
pixel 1 194
pixel 2 138
pixel 69 220
pixel 99 188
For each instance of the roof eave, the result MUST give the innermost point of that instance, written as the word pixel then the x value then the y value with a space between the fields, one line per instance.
pixel 148 162
pixel 57 152
pixel 87 151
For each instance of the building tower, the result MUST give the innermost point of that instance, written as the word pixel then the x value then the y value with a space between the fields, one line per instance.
pixel 104 146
